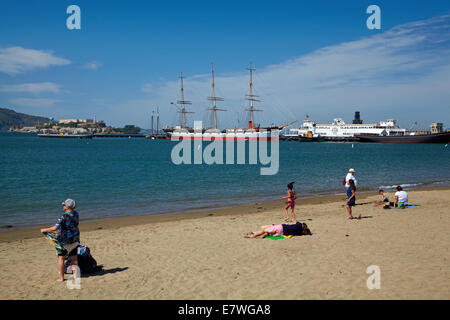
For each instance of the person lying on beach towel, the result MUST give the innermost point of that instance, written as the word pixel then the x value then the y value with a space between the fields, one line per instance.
pixel 296 229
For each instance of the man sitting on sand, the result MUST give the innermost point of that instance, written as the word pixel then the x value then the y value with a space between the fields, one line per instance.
pixel 296 229
pixel 68 237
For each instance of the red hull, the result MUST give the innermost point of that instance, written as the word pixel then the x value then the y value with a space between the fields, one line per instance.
pixel 224 138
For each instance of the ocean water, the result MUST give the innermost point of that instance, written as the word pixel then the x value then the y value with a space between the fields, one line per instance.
pixel 113 177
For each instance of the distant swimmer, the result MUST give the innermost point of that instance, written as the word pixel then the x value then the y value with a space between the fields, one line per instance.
pixel 291 197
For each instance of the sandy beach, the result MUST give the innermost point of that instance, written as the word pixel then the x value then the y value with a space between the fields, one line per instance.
pixel 205 256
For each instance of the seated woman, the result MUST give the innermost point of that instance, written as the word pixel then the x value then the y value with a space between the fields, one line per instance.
pixel 296 229
pixel 401 198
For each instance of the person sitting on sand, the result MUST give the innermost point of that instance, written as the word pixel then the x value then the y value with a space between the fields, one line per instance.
pixel 296 229
pixel 291 197
pixel 68 237
pixel 400 198
pixel 384 197
pixel 351 197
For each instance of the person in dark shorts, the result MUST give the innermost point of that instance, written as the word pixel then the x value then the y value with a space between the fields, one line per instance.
pixel 351 197
pixel 68 235
pixel 297 229
pixel 384 197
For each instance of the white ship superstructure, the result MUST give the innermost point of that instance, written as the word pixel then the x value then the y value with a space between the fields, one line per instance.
pixel 339 129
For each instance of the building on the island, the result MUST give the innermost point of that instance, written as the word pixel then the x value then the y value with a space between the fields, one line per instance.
pixel 23 129
pixel 29 129
pixel 67 121
pixel 73 130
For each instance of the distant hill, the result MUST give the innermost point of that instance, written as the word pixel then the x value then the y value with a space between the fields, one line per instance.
pixel 9 118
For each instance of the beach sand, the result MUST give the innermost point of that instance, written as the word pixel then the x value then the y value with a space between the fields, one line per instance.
pixel 205 256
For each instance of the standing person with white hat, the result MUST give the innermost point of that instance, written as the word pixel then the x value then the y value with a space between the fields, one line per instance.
pixel 68 235
pixel 350 176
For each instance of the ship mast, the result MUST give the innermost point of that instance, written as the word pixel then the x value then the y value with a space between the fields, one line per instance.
pixel 183 102
pixel 251 96
pixel 213 98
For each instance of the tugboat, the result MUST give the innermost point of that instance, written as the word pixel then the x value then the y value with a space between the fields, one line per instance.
pixel 310 137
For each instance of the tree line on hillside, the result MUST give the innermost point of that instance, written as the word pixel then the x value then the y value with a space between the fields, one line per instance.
pixel 10 118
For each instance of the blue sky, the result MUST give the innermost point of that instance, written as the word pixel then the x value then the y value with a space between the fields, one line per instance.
pixel 312 57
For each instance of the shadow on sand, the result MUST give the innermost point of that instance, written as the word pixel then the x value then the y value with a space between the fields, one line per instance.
pixel 103 272
pixel 362 217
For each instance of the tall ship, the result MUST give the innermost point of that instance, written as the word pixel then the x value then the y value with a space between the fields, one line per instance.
pixel 253 132
pixel 181 106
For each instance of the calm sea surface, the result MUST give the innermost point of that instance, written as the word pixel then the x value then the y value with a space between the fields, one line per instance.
pixel 112 177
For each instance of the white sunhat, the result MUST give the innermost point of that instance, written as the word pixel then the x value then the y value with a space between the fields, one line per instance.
pixel 351 170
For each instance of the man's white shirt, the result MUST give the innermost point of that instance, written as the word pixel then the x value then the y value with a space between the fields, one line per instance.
pixel 350 177
pixel 402 196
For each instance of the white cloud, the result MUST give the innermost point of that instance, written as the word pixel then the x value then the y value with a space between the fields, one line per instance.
pixel 33 102
pixel 401 73
pixel 16 60
pixel 148 87
pixel 32 87
pixel 93 65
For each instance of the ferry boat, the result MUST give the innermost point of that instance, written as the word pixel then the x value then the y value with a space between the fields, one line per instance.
pixel 338 129
pixel 251 133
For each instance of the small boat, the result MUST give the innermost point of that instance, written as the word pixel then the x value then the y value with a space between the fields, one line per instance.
pixel 307 137
pixel 66 135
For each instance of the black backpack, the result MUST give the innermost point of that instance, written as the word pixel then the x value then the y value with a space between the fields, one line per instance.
pixel 86 262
